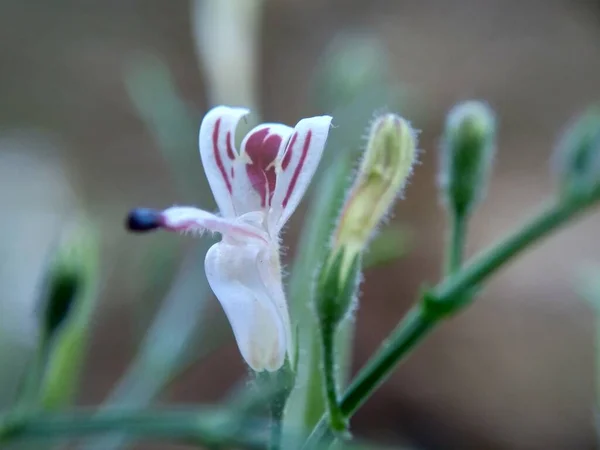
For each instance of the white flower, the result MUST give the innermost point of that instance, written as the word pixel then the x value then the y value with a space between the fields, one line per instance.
pixel 257 189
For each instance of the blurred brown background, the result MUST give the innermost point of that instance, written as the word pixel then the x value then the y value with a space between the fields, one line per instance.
pixel 513 372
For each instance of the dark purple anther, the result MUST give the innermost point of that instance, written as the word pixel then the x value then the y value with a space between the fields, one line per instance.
pixel 141 220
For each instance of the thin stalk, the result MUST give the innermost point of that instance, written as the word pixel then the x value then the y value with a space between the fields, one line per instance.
pixel 274 389
pixel 30 395
pixel 207 427
pixel 456 242
pixel 306 402
pixel 276 428
pixel 551 217
pixel 337 420
pixel 421 320
pixel 413 328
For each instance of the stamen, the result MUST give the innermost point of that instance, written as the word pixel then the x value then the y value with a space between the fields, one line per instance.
pixel 141 220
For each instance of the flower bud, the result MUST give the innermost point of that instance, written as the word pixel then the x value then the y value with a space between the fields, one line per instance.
pixel 66 311
pixel 577 157
pixel 467 152
pixel 387 163
pixel 71 271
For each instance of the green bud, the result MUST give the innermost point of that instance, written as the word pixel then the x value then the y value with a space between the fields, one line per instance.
pixel 577 157
pixel 387 164
pixel 467 153
pixel 70 272
pixel 67 306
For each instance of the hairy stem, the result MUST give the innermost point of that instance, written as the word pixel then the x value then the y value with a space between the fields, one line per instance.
pixel 337 420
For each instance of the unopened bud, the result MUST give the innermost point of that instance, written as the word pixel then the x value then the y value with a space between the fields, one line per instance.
pixel 387 164
pixel 71 271
pixel 67 308
pixel 577 157
pixel 467 153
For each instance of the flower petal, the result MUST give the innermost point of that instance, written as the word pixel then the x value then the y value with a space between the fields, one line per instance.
pixel 189 219
pixel 297 167
pixel 218 153
pixel 258 327
pixel 254 188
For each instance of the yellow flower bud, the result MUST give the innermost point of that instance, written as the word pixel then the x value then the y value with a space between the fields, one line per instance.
pixel 387 164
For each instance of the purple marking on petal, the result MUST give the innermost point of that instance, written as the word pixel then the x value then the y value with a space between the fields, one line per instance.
pixel 218 160
pixel 298 169
pixel 262 150
pixel 229 140
pixel 287 158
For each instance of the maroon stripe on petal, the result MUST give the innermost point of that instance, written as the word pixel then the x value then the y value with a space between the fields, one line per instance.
pixel 287 158
pixel 294 179
pixel 218 160
pixel 230 153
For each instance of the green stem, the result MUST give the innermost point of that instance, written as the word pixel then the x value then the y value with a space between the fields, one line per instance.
pixel 407 334
pixel 277 406
pixel 30 395
pixel 421 320
pixel 208 427
pixel 276 428
pixel 549 219
pixel 274 388
pixel 456 242
pixel 403 339
pixel 337 421
pixel 306 401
